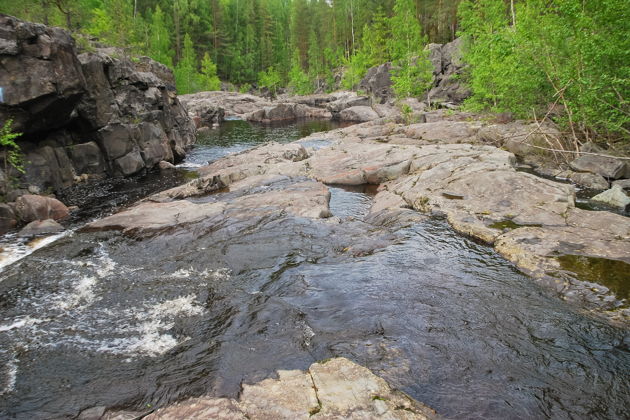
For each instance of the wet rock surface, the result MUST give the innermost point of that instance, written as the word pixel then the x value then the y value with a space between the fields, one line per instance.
pixel 476 187
pixel 240 273
pixel 332 389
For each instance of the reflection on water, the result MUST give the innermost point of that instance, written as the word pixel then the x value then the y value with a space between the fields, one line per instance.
pixel 235 136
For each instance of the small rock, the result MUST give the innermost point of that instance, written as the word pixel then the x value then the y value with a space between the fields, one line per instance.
pixel 166 166
pixel 92 413
pixel 33 189
pixel 614 197
pixel 41 227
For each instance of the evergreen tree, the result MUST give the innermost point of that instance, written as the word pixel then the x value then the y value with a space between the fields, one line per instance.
pixel 299 81
pixel 186 74
pixel 159 42
pixel 208 77
pixel 414 72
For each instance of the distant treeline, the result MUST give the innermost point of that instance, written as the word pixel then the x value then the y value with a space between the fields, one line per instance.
pixel 525 56
pixel 241 37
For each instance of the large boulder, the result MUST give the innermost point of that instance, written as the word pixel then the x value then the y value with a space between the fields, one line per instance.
pixel 605 166
pixel 447 68
pixel 446 88
pixel 41 77
pixel 31 207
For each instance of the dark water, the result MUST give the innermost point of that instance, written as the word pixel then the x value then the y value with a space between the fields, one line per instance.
pixel 235 136
pixel 98 319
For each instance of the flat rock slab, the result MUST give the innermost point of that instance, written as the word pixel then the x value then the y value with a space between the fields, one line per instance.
pixel 257 197
pixel 333 389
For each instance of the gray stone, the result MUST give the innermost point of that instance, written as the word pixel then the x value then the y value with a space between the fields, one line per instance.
pixel 49 167
pixel 41 76
pixel 87 158
pixel 115 140
pixel 93 413
pixel 129 164
pixel 614 197
pixel 377 82
pixel 45 92
pixel 153 143
pixel 589 180
pixel 358 113
pixel 280 112
pixel 604 166
pixel 41 227
pixel 166 166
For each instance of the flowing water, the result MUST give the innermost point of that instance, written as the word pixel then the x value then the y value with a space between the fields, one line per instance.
pixel 100 319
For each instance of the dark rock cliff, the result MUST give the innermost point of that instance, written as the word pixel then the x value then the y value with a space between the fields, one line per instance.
pixel 90 115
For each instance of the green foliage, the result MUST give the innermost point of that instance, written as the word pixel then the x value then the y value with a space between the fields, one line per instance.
pixel 564 51
pixel 354 69
pixel 407 113
pixel 270 79
pixel 299 81
pixel 186 75
pixel 414 76
pixel 413 73
pixel 159 45
pixel 208 77
pixel 12 155
pixel 113 24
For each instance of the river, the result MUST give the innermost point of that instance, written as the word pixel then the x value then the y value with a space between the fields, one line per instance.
pixel 101 319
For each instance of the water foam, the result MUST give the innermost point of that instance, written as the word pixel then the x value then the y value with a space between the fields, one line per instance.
pixel 14 248
pixel 11 368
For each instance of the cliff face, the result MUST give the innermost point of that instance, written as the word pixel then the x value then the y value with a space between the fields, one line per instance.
pixel 95 114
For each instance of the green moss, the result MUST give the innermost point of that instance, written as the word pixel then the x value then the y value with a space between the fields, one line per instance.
pixel 314 411
pixel 510 224
pixel 613 274
pixel 378 397
pixel 190 174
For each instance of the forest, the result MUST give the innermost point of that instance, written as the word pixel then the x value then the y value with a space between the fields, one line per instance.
pixel 524 56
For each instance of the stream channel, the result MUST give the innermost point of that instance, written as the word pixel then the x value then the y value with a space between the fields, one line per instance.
pixel 101 319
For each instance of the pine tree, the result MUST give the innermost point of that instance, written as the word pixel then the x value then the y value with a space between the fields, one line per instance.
pixel 159 41
pixel 414 71
pixel 208 77
pixel 185 71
